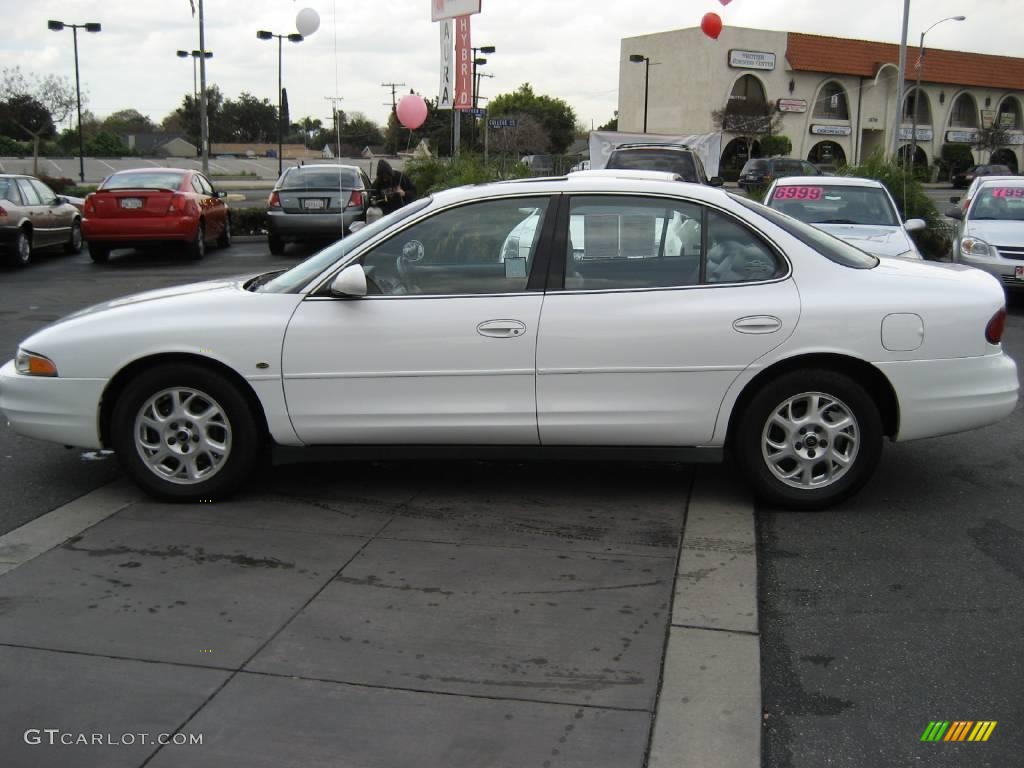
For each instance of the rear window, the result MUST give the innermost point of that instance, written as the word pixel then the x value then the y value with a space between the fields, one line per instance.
pixel 755 166
pixel 787 168
pixel 832 248
pixel 320 178
pixel 654 160
pixel 146 180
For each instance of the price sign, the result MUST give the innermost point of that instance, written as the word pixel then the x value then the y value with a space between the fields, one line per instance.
pixel 798 193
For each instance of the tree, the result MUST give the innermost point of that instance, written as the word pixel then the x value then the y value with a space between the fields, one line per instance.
pixel 528 137
pixel 611 125
pixel 34 105
pixel 749 120
pixel 185 119
pixel 248 119
pixel 554 115
pixel 990 139
pixel 127 121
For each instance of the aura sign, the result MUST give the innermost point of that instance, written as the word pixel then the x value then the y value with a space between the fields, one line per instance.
pixel 450 9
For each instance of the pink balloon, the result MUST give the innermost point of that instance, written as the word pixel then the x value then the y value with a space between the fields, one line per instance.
pixel 725 2
pixel 411 111
pixel 711 25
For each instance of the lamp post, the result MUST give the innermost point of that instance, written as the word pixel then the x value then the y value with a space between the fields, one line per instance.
pixel 901 74
pixel 57 26
pixel 294 37
pixel 195 58
pixel 917 88
pixel 639 58
pixel 478 61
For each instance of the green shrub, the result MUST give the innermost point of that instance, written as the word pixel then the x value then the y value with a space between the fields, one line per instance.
pixel 433 174
pixel 248 221
pixel 957 157
pixel 775 145
pixel 60 186
pixel 11 148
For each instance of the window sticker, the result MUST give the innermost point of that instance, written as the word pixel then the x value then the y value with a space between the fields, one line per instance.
pixel 793 192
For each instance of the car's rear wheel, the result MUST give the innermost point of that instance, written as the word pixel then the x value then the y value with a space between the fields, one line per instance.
pixel 22 253
pixel 809 439
pixel 185 433
pixel 74 243
pixel 99 252
pixel 196 247
pixel 275 244
pixel 224 241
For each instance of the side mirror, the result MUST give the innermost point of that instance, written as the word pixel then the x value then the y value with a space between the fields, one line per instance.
pixel 59 200
pixel 715 181
pixel 350 282
pixel 954 199
pixel 915 225
pixel 955 213
pixel 221 194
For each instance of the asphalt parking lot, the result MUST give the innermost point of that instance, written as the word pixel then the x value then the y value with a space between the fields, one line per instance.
pixel 470 613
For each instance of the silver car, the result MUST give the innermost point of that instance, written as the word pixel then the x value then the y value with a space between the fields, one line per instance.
pixel 33 216
pixel 990 233
pixel 316 202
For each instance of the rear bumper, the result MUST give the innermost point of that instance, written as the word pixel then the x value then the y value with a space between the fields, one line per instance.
pixel 59 410
pixel 940 397
pixel 297 226
pixel 139 230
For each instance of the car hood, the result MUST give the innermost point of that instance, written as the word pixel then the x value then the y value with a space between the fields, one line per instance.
pixel 876 240
pixel 997 232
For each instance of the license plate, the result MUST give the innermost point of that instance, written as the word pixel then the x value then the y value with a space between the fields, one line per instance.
pixel 1018 273
pixel 131 202
pixel 314 205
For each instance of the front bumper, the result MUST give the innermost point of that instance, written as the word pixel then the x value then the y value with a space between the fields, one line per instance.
pixel 298 226
pixel 139 230
pixel 940 397
pixel 1002 269
pixel 60 410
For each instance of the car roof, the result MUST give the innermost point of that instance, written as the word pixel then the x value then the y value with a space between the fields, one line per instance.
pixel 653 145
pixel 587 181
pixel 624 173
pixel 323 166
pixel 153 169
pixel 1012 180
pixel 831 181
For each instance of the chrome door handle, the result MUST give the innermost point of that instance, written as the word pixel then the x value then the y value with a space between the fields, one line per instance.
pixel 501 329
pixel 757 324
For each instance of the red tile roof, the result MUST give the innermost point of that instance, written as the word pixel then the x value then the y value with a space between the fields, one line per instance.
pixel 841 56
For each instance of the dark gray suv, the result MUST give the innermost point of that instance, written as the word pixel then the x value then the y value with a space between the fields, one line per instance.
pixel 673 158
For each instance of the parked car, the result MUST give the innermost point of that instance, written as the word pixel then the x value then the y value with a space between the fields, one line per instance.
pixel 640 313
pixel 582 165
pixel 761 171
pixel 316 202
pixel 964 178
pixel 670 158
pixel 32 217
pixel 859 211
pixel 990 233
pixel 965 200
pixel 148 206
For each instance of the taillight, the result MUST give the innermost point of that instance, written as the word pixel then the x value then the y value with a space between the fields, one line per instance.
pixel 274 201
pixel 996 326
pixel 177 204
pixel 3 211
pixel 355 200
pixel 90 206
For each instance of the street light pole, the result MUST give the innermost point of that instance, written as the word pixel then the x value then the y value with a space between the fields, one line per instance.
pixel 204 128
pixel 294 37
pixel 917 88
pixel 901 74
pixel 57 26
pixel 488 49
pixel 637 58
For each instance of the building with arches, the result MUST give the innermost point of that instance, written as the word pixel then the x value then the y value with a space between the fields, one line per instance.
pixel 836 97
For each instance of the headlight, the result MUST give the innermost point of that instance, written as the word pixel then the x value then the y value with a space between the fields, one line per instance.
pixel 31 364
pixel 972 246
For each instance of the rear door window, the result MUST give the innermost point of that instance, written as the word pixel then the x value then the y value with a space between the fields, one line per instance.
pixel 28 193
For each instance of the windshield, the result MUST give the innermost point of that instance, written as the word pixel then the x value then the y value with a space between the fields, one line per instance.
pixel 832 248
pixel 320 178
pixel 147 180
pixel 299 275
pixel 822 204
pixel 998 202
pixel 654 160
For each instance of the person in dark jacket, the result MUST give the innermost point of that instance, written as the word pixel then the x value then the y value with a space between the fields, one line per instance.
pixel 392 188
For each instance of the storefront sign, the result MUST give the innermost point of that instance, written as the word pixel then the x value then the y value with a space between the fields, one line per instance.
pixel 792 105
pixel 988 118
pixel 449 9
pixel 463 64
pixel 961 137
pixel 1015 138
pixel 445 92
pixel 751 59
pixel 831 130
pixel 923 134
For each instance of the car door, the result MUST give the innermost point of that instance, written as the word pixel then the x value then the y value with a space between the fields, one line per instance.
pixel 215 210
pixel 662 304
pixel 443 348
pixel 60 215
pixel 38 213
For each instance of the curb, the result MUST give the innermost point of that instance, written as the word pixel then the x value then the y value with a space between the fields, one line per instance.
pixel 709 708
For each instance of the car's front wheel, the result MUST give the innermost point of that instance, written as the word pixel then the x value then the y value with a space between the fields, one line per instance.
pixel 196 248
pixel 224 241
pixel 74 243
pixel 809 439
pixel 185 433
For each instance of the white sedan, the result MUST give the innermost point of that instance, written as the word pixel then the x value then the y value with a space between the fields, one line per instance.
pixel 990 229
pixel 630 313
pixel 859 211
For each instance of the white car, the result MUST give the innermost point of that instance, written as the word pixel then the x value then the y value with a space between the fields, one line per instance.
pixel 965 200
pixel 859 211
pixel 640 314
pixel 990 232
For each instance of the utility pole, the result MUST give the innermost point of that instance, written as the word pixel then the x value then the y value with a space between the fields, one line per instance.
pixel 204 127
pixel 337 123
pixel 394 106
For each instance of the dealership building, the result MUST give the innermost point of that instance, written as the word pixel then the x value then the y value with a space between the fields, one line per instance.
pixel 837 97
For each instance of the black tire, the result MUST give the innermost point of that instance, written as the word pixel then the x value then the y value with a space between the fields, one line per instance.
pixel 74 243
pixel 99 252
pixel 224 241
pixel 195 249
pixel 276 245
pixel 21 255
pixel 244 437
pixel 862 441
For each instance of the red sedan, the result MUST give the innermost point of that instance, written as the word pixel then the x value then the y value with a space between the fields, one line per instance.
pixel 155 205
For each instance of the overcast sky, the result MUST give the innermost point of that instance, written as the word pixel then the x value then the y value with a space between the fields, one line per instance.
pixel 565 48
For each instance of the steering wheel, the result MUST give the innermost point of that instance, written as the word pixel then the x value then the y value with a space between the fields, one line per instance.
pixel 412 253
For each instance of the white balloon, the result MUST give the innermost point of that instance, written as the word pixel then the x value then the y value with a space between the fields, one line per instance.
pixel 307 22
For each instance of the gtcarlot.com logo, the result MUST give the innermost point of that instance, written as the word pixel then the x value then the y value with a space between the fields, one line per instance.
pixel 55 736
pixel 958 730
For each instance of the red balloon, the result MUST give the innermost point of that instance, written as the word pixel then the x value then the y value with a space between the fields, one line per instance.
pixel 711 25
